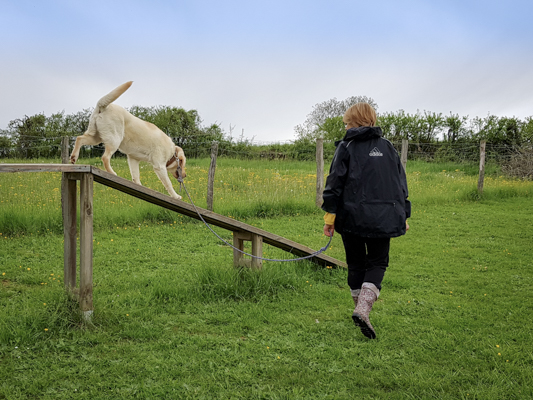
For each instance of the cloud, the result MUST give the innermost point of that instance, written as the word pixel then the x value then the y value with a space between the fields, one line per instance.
pixel 262 67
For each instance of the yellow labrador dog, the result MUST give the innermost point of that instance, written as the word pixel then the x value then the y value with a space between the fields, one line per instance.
pixel 117 129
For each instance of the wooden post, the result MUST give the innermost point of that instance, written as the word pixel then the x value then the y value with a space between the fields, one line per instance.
pixel 69 210
pixel 319 171
pixel 481 166
pixel 68 204
pixel 238 242
pixel 257 250
pixel 211 175
pixel 86 245
pixel 405 147
pixel 65 148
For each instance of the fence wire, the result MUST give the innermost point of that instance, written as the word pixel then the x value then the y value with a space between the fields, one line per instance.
pixel 31 147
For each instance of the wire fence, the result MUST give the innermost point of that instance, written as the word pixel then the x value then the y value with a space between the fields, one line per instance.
pixel 31 147
pixel 460 152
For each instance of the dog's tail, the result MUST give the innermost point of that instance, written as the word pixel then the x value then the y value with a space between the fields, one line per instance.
pixel 112 96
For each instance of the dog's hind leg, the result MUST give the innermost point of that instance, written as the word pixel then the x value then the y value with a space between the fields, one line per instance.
pixel 134 170
pixel 110 149
pixel 162 173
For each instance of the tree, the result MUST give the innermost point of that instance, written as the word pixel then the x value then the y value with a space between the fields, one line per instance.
pixel 484 128
pixel 457 127
pixel 510 131
pixel 395 126
pixel 527 131
pixel 432 125
pixel 40 136
pixel 332 129
pixel 181 125
pixel 27 134
pixel 174 121
pixel 315 123
pixel 503 131
pixel 5 145
pixel 386 122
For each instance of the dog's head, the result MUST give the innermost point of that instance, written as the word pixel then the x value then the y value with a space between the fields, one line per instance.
pixel 178 167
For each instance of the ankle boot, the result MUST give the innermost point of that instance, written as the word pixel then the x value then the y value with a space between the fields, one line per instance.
pixel 367 297
pixel 355 295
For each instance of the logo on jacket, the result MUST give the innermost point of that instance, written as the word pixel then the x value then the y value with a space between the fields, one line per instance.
pixel 375 153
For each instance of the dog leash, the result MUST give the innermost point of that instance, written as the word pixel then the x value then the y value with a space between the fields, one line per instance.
pixel 323 249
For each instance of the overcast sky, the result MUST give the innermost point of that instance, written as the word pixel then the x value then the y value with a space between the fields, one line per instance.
pixel 261 66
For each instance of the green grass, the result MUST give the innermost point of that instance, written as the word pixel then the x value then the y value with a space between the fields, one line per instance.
pixel 174 319
pixel 242 189
pixel 30 202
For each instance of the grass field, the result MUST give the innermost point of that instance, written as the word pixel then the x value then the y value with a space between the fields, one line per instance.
pixel 174 319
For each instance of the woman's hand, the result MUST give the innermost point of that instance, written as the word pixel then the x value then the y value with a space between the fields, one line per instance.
pixel 329 230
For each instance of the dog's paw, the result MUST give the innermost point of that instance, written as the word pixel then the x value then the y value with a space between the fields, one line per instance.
pixel 73 159
pixel 177 197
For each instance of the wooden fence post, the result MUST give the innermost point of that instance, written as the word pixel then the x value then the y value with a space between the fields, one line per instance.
pixel 211 175
pixel 405 149
pixel 319 171
pixel 481 166
pixel 65 148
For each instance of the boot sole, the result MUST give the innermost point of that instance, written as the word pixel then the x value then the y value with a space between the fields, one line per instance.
pixel 366 329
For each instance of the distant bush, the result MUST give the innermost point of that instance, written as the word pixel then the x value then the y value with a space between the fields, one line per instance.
pixel 520 164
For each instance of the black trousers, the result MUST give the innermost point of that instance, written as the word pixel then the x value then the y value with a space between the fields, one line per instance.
pixel 367 259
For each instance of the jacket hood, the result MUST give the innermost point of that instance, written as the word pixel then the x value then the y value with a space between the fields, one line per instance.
pixel 363 133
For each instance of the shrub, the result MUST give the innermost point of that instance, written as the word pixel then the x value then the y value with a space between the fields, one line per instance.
pixel 520 164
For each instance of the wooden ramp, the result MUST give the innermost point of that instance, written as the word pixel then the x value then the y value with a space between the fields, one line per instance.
pixel 86 174
pixel 178 206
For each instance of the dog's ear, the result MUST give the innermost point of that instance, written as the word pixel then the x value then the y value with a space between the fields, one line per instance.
pixel 182 159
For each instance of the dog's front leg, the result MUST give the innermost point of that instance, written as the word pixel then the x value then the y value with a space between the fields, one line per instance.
pixel 162 173
pixel 83 140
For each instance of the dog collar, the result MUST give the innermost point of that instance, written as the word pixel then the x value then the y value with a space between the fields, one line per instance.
pixel 172 159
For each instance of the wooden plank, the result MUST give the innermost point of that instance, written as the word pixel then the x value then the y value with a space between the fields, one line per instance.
pixel 243 235
pixel 86 244
pixel 44 168
pixel 210 217
pixel 76 176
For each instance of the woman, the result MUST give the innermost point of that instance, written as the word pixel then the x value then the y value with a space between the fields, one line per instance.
pixel 365 200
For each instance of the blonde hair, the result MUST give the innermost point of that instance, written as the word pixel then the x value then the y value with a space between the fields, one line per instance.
pixel 360 114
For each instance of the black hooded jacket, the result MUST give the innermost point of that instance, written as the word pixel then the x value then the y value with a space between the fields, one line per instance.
pixel 366 187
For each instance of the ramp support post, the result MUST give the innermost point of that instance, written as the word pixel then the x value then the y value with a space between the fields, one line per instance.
pixel 84 294
pixel 239 238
